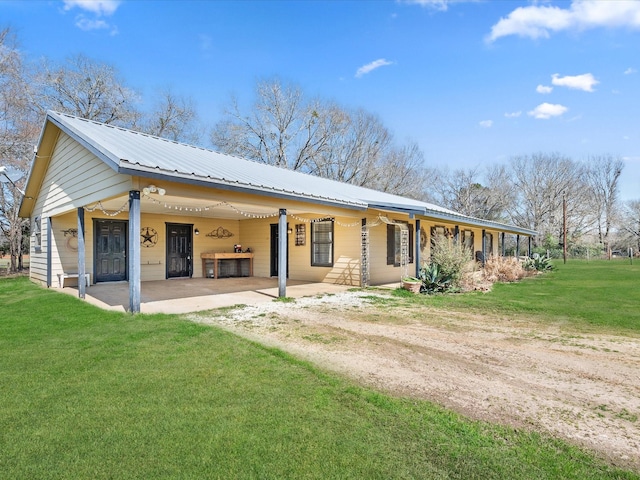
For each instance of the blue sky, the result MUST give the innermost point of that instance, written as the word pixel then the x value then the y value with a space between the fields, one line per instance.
pixel 472 82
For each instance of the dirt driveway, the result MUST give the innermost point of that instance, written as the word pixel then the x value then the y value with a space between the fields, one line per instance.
pixel 582 387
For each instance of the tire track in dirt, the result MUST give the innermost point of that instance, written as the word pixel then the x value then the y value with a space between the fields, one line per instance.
pixel 582 387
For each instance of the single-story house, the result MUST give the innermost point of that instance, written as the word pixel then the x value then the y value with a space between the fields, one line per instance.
pixel 108 204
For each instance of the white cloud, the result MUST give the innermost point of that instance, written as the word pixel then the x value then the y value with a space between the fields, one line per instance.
pixel 513 114
pixel 545 111
pixel 99 7
pixel 630 71
pixel 372 66
pixel 583 82
pixel 439 5
pixel 536 21
pixel 486 123
pixel 544 89
pixel 85 24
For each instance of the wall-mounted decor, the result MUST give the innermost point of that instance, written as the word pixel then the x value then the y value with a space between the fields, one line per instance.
pixel 220 232
pixel 71 235
pixel 301 234
pixel 423 239
pixel 148 237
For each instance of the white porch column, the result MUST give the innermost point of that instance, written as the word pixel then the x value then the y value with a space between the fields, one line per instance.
pixel 134 251
pixel 81 254
pixel 282 253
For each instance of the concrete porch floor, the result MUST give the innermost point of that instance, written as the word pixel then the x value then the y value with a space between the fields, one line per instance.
pixel 186 295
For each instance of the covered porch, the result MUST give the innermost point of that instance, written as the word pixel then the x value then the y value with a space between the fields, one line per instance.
pixel 185 295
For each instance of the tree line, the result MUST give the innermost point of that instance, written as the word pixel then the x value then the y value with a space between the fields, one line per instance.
pixel 284 127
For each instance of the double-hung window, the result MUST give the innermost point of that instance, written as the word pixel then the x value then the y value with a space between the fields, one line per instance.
pixel 322 243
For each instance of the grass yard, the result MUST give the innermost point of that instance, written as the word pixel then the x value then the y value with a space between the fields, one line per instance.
pixel 86 393
pixel 592 295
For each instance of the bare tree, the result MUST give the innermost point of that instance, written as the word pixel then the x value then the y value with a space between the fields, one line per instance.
pixel 18 134
pixel 318 137
pixel 401 171
pixel 281 129
pixel 87 89
pixel 466 192
pixel 173 117
pixel 541 181
pixel 602 174
pixel 354 143
pixel 629 225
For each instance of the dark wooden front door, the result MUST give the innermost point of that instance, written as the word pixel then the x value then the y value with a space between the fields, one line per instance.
pixel 179 237
pixel 111 250
pixel 274 250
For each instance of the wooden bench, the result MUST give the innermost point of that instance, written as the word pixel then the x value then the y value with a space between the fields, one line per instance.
pixel 62 276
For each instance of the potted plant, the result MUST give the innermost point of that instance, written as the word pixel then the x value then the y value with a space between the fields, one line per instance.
pixel 412 284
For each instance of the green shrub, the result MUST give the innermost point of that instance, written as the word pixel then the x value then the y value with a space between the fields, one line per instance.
pixel 452 258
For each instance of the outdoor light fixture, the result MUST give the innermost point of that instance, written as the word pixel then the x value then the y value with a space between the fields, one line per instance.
pixel 11 175
pixel 153 189
pixel 196 231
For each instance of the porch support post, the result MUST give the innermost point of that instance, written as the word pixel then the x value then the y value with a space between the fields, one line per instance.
pixel 529 252
pixel 417 258
pixel 456 234
pixel 49 264
pixel 518 245
pixel 81 254
pixel 504 247
pixel 282 253
pixel 134 251
pixel 484 246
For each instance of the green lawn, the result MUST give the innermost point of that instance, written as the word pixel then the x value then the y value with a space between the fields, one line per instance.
pixel 91 394
pixel 587 295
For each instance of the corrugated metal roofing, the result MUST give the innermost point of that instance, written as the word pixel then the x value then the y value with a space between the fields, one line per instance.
pixel 141 154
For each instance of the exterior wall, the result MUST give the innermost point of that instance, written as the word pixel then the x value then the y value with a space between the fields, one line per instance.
pixel 379 272
pixel 74 178
pixel 38 258
pixel 256 234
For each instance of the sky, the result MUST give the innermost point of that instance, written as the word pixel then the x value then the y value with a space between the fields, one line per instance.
pixel 473 83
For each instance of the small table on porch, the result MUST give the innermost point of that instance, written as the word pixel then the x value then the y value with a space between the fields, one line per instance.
pixel 216 257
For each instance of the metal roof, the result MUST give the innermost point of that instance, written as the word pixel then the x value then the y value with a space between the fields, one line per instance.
pixel 136 153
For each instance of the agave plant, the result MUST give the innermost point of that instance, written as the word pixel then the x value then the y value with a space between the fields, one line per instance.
pixel 539 263
pixel 434 280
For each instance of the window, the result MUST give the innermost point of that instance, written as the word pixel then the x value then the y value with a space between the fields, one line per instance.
pixel 37 232
pixel 322 243
pixel 394 237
